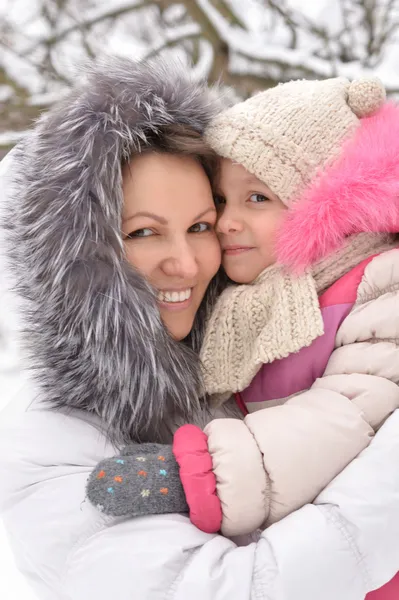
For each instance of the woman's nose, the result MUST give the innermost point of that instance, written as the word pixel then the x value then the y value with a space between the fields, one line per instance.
pixel 229 223
pixel 182 263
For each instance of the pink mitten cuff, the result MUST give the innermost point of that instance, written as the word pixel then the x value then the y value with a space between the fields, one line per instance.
pixel 190 447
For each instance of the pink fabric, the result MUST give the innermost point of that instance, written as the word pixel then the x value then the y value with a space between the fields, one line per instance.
pixel 240 403
pixel 298 371
pixel 345 289
pixel 358 192
pixel 190 448
pixel 390 591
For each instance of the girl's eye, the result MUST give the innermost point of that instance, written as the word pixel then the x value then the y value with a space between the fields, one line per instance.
pixel 146 232
pixel 200 228
pixel 257 198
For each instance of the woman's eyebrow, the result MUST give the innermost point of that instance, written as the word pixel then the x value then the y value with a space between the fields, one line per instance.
pixel 204 212
pixel 151 215
pixel 164 221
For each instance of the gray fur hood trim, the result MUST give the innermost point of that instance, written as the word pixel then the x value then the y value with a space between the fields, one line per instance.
pixel 93 328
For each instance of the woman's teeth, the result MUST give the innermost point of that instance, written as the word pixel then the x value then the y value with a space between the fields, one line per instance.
pixel 174 296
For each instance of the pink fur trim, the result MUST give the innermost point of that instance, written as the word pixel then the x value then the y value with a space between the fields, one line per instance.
pixel 358 192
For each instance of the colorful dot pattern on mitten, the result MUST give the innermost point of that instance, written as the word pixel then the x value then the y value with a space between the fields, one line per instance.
pixel 145 493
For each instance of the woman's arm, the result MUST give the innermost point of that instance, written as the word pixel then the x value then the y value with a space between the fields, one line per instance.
pixel 341 547
pixel 241 475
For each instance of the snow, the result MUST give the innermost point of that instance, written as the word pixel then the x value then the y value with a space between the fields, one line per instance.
pixel 6 92
pixel 7 138
pixel 261 47
pixel 253 45
pixel 45 99
pixel 204 63
pixel 173 36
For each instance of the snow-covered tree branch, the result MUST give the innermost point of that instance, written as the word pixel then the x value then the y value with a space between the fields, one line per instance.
pixel 248 45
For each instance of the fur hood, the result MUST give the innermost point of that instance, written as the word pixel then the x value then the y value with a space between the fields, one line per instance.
pixel 93 329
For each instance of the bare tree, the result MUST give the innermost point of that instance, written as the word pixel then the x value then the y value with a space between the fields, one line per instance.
pixel 250 45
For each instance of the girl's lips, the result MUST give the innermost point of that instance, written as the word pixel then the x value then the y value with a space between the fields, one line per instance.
pixel 233 250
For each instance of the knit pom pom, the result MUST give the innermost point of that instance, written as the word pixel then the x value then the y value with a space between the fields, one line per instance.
pixel 366 96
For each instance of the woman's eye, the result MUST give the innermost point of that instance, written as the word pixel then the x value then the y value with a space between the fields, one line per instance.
pixel 140 233
pixel 200 228
pixel 257 198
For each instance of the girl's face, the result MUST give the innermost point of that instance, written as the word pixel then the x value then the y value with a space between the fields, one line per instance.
pixel 249 217
pixel 168 228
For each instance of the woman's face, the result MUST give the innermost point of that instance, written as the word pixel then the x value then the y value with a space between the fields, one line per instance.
pixel 168 229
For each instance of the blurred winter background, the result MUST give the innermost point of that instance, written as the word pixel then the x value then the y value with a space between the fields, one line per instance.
pixel 248 44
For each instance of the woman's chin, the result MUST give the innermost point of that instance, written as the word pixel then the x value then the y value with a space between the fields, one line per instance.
pixel 178 325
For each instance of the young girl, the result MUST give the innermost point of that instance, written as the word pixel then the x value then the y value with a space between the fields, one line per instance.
pixel 308 197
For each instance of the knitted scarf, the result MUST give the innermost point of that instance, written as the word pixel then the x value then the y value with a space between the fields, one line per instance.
pixel 274 316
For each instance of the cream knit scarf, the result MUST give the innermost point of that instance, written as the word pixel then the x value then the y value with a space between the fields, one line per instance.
pixel 274 316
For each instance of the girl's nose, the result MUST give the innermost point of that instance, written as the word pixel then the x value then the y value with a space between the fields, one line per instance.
pixel 229 223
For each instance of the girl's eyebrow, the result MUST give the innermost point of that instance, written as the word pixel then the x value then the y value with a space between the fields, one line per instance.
pixel 253 179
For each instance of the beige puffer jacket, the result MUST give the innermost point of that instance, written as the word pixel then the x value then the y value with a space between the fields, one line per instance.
pixel 279 458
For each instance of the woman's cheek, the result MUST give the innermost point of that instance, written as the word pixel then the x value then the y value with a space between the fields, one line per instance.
pixel 141 255
pixel 210 254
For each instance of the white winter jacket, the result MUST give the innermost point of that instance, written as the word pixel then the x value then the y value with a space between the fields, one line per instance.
pixel 340 547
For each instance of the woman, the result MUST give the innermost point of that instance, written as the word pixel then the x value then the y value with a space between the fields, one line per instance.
pixel 114 374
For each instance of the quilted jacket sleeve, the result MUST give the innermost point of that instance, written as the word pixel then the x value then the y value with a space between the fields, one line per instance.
pixel 280 458
pixel 340 547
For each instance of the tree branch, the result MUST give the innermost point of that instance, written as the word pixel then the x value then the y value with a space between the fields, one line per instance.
pixel 248 84
pixel 321 69
pixel 210 33
pixel 87 24
pixel 171 43
pixel 228 13
pixel 288 19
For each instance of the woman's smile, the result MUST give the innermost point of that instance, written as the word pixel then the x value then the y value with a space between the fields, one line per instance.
pixel 175 300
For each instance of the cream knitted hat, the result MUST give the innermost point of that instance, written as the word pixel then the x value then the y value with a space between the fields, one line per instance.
pixel 285 134
pixel 329 149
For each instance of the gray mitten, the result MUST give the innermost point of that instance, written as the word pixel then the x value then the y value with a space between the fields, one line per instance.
pixel 143 480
